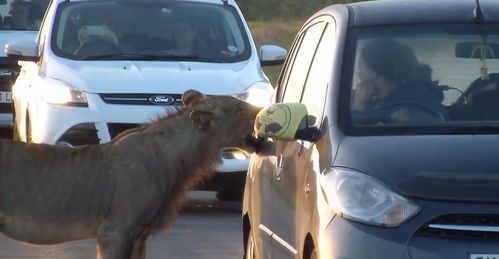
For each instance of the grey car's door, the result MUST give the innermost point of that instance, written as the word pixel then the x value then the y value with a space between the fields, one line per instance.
pixel 263 168
pixel 259 179
pixel 289 184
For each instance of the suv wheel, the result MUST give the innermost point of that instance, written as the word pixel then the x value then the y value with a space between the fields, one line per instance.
pixel 230 194
pixel 15 129
pixel 29 137
pixel 250 247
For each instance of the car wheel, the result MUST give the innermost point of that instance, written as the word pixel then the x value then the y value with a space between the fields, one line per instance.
pixel 29 136
pixel 250 247
pixel 229 194
pixel 313 254
pixel 15 133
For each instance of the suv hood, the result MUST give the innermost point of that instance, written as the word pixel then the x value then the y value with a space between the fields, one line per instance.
pixel 153 76
pixel 464 168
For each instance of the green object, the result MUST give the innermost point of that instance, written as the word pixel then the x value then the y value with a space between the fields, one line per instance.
pixel 281 121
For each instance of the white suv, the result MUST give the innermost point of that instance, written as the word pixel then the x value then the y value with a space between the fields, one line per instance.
pixel 100 67
pixel 19 20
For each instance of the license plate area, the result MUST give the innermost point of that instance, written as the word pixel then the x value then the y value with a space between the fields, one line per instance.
pixel 484 256
pixel 5 97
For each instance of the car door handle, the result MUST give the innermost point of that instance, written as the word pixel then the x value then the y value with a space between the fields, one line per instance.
pixel 278 167
pixel 279 161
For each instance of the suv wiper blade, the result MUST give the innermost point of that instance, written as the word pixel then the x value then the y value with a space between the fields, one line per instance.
pixel 126 56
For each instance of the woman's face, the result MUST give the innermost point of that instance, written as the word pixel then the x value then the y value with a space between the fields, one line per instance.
pixel 365 72
pixel 379 85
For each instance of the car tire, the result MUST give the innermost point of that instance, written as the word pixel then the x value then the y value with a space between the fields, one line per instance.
pixel 29 138
pixel 15 133
pixel 313 254
pixel 15 129
pixel 249 252
pixel 230 194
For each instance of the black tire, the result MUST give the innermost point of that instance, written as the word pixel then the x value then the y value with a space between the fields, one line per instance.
pixel 29 136
pixel 250 251
pixel 228 194
pixel 15 133
pixel 313 254
pixel 15 129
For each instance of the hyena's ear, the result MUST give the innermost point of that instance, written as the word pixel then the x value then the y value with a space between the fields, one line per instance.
pixel 202 119
pixel 191 97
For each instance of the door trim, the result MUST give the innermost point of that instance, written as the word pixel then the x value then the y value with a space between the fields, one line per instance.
pixel 278 239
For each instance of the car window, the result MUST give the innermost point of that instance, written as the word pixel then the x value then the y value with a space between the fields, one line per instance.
pixel 439 77
pixel 301 64
pixel 315 92
pixel 22 15
pixel 284 75
pixel 150 30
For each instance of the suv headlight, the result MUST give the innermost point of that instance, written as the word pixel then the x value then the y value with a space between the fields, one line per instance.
pixel 57 92
pixel 359 197
pixel 259 94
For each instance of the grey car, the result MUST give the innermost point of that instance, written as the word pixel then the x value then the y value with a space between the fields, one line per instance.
pixel 382 141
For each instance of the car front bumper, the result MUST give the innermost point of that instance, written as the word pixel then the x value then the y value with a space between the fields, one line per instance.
pixel 346 239
pixel 100 122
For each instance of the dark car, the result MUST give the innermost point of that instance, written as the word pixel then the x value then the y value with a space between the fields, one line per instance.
pixel 383 138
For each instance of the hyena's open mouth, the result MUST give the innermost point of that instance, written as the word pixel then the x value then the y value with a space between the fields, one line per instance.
pixel 254 142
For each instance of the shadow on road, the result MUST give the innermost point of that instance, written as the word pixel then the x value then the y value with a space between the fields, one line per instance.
pixel 206 202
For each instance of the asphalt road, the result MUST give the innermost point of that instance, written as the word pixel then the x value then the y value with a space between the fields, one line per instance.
pixel 204 229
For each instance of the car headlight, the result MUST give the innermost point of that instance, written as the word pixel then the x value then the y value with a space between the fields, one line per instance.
pixel 57 92
pixel 357 196
pixel 259 94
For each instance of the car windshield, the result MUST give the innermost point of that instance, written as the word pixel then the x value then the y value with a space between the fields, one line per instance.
pixel 149 30
pixel 424 79
pixel 22 15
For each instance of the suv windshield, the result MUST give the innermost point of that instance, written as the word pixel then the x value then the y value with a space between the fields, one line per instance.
pixel 424 79
pixel 149 30
pixel 22 15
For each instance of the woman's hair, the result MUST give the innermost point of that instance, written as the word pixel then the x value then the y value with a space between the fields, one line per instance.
pixel 391 59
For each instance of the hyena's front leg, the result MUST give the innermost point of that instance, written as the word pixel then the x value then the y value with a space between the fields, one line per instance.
pixel 139 247
pixel 115 242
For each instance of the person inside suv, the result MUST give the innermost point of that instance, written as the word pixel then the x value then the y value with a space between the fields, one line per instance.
pixel 96 37
pixel 189 40
pixel 19 19
pixel 394 87
pixel 185 38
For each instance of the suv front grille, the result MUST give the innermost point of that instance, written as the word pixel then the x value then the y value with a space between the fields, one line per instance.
pixel 117 128
pixel 142 99
pixel 483 227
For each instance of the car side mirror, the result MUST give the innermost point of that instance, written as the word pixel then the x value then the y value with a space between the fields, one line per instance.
pixel 286 121
pixel 26 50
pixel 271 55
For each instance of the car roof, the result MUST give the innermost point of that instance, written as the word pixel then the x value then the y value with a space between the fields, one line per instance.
pixel 420 11
pixel 230 2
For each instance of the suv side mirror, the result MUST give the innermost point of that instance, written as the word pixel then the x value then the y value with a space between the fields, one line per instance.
pixel 22 50
pixel 271 55
pixel 286 121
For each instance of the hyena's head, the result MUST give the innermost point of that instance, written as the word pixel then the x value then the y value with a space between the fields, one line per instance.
pixel 224 117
